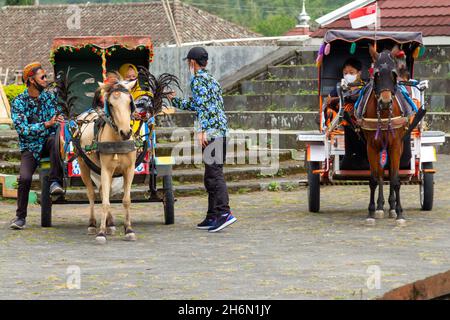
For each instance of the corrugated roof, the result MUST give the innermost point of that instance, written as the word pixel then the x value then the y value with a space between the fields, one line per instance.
pixel 431 17
pixel 28 31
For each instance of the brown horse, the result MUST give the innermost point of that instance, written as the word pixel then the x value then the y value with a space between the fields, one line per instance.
pixel 384 127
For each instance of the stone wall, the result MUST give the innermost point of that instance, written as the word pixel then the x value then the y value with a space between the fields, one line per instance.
pixel 223 61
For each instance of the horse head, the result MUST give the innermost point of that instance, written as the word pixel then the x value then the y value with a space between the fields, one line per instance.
pixel 385 75
pixel 119 105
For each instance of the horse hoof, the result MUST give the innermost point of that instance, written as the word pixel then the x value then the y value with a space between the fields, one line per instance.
pixel 100 239
pixel 401 222
pixel 379 214
pixel 130 237
pixel 111 231
pixel 92 231
pixel 370 221
pixel 392 214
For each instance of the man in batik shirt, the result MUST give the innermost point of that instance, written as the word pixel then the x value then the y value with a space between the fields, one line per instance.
pixel 34 114
pixel 212 130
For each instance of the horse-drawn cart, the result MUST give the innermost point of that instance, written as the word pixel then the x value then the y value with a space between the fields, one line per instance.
pixel 326 147
pixel 85 61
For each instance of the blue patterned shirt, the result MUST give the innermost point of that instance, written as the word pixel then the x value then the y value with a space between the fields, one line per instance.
pixel 28 115
pixel 207 102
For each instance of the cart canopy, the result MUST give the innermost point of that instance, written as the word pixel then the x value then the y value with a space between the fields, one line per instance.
pixel 94 56
pixel 341 42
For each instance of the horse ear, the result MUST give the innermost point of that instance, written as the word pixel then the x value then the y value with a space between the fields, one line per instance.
pixel 373 53
pixel 129 84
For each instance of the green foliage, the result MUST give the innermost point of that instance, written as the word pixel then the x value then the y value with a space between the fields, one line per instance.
pixel 18 2
pixel 13 90
pixel 275 25
pixel 274 186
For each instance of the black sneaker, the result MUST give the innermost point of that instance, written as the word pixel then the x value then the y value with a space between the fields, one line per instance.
pixel 56 189
pixel 207 223
pixel 18 224
pixel 222 222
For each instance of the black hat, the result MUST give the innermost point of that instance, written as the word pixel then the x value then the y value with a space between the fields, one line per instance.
pixel 197 54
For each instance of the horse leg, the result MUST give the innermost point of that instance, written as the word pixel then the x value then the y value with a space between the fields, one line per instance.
pixel 379 213
pixel 373 186
pixel 392 213
pixel 110 224
pixel 86 177
pixel 398 208
pixel 106 179
pixel 126 201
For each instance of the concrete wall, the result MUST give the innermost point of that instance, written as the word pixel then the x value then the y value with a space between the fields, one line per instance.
pixel 223 61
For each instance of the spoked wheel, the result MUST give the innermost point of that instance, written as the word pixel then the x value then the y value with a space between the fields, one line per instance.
pixel 313 186
pixel 426 187
pixel 169 200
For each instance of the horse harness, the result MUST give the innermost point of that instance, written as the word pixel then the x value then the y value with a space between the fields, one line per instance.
pixel 118 147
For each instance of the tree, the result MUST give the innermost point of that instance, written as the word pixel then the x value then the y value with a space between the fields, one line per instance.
pixel 275 25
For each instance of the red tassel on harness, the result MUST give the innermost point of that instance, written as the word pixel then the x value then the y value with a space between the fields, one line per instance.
pixel 383 158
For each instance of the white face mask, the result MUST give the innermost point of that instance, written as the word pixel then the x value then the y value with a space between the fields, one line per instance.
pixel 350 78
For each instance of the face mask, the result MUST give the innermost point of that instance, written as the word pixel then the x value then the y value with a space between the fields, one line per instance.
pixel 350 78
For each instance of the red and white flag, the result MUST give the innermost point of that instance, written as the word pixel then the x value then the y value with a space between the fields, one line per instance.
pixel 363 17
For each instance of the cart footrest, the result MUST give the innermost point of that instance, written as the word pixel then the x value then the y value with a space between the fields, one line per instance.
pixel 345 174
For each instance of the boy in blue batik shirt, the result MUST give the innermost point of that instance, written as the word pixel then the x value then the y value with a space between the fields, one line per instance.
pixel 212 130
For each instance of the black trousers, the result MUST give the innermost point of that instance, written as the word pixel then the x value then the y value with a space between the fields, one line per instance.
pixel 214 156
pixel 28 165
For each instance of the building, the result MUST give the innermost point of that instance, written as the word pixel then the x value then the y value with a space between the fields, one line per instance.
pixel 431 17
pixel 28 31
pixel 302 27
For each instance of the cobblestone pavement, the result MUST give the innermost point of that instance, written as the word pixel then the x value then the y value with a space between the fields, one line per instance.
pixel 276 250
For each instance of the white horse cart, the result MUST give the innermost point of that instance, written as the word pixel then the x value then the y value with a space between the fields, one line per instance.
pixel 326 147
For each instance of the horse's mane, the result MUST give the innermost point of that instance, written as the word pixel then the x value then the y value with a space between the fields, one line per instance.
pixel 106 91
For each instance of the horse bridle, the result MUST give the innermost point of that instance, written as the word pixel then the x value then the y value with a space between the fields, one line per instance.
pixel 106 115
pixel 386 65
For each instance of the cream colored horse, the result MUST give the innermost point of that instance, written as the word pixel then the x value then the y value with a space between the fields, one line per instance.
pixel 119 101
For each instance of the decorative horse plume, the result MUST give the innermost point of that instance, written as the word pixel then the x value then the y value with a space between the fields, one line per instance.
pixel 63 84
pixel 161 87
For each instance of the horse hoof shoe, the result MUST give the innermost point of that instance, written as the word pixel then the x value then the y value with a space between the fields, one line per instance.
pixel 379 214
pixel 111 231
pixel 370 221
pixel 92 231
pixel 401 222
pixel 392 214
pixel 130 237
pixel 100 240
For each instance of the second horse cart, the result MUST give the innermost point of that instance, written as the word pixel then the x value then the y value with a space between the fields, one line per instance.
pixel 326 147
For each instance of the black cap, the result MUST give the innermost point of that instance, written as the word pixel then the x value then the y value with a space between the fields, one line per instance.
pixel 198 54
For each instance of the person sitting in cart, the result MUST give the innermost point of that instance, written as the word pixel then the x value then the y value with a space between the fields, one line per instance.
pixel 410 93
pixel 351 71
pixel 35 115
pixel 142 98
pixel 355 150
pixel 212 130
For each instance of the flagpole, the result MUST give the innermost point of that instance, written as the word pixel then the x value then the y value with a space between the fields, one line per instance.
pixel 376 23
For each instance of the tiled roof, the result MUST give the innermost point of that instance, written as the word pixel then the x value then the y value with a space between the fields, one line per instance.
pixel 28 31
pixel 431 17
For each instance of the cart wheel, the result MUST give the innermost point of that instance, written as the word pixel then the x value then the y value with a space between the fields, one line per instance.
pixel 427 187
pixel 169 209
pixel 313 186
